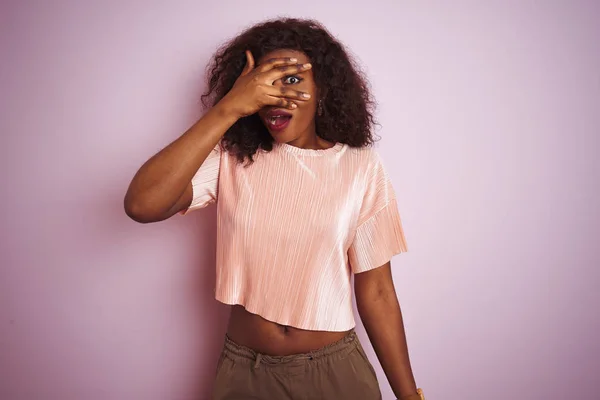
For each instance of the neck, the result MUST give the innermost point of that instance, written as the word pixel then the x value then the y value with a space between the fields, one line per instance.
pixel 309 140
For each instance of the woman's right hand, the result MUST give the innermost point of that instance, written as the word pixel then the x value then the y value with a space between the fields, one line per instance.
pixel 255 89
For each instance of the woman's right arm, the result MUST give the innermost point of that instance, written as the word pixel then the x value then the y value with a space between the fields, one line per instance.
pixel 162 186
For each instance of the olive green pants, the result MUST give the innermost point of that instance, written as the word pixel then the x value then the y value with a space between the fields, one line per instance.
pixel 338 371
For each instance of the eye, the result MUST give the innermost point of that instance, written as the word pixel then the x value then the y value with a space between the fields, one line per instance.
pixel 292 80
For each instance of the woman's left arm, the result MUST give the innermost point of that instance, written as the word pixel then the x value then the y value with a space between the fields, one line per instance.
pixel 380 313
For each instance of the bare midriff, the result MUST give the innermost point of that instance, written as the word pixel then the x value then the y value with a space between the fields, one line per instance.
pixel 266 337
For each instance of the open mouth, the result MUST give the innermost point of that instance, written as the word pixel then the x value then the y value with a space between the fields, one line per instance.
pixel 277 120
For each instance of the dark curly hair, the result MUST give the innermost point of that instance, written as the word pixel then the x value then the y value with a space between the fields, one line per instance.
pixel 347 104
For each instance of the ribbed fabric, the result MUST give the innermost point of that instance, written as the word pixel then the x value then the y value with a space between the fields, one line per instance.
pixel 294 226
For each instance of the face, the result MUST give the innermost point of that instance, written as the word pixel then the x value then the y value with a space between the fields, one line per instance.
pixel 302 122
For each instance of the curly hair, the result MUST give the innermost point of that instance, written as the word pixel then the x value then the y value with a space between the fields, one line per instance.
pixel 347 103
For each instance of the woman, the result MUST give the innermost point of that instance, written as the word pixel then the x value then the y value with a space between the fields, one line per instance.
pixel 303 203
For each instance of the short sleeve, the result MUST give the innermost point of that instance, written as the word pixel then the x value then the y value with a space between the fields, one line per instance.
pixel 379 234
pixel 205 181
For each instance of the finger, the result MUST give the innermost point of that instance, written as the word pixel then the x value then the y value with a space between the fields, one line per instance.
pixel 249 63
pixel 280 72
pixel 280 102
pixel 287 93
pixel 277 62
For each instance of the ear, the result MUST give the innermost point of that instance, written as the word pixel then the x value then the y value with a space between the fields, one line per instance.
pixel 321 93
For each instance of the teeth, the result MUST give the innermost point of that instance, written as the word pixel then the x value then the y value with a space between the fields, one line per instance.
pixel 273 120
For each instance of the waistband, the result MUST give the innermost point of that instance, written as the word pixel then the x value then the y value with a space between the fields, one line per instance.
pixel 346 343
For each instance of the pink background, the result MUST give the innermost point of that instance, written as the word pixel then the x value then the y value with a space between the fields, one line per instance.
pixel 490 116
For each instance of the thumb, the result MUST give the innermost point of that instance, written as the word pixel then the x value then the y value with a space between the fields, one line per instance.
pixel 249 63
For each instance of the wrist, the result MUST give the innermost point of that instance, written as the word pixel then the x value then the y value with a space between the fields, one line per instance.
pixel 225 110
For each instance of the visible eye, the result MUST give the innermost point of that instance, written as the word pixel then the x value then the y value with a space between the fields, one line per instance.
pixel 292 80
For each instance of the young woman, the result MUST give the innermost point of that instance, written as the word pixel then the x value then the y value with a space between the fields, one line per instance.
pixel 303 204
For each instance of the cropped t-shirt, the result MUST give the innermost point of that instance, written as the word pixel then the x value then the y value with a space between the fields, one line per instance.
pixel 295 225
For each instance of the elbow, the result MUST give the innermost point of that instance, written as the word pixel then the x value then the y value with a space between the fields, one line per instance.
pixel 139 211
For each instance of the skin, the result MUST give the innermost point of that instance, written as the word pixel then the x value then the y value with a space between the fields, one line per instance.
pixel 162 188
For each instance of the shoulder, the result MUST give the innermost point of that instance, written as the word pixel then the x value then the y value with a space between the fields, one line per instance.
pixel 367 157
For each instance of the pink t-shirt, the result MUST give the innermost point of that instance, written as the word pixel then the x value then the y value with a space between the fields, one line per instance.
pixel 295 225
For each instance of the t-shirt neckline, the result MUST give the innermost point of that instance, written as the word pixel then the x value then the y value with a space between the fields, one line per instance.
pixel 309 152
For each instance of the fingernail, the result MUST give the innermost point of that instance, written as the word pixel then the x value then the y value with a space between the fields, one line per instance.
pixel 293 59
pixel 294 105
pixel 307 65
pixel 306 95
